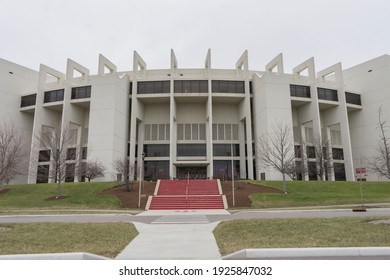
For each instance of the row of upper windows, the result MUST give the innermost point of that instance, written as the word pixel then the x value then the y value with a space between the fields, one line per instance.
pixel 324 94
pixel 190 86
pixel 56 95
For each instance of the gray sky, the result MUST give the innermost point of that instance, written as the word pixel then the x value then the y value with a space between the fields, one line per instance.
pixel 50 31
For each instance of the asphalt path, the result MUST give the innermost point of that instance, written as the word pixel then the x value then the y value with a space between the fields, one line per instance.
pixel 157 217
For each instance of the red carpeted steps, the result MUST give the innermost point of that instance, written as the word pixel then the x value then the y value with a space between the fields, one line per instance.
pixel 183 194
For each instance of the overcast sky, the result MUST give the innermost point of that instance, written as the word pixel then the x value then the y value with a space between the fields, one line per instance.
pixel 50 31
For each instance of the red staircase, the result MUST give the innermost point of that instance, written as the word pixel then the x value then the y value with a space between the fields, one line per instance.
pixel 183 194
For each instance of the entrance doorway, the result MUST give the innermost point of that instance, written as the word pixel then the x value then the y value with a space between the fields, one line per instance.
pixel 193 172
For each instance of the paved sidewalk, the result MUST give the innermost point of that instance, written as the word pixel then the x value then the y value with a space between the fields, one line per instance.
pixel 172 242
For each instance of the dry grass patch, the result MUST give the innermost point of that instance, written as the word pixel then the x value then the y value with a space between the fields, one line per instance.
pixel 106 239
pixel 233 236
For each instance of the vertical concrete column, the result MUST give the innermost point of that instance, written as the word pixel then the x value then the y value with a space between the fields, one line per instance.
pixel 172 118
pixel 209 118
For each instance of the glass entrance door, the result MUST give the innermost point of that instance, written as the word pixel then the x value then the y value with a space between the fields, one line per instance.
pixel 191 172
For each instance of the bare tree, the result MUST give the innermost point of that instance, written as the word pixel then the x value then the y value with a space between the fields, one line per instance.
pixel 92 169
pixel 12 152
pixel 323 157
pixel 277 151
pixel 122 167
pixel 380 163
pixel 56 144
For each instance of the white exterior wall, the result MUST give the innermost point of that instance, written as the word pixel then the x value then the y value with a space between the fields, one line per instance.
pixel 372 80
pixel 15 81
pixel 113 118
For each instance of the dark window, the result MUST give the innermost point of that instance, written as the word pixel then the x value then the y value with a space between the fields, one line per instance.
pixel 353 98
pixel 339 172
pixel 43 174
pixel 28 100
pixel 312 166
pixel 300 91
pixel 228 86
pixel 191 86
pixel 327 94
pixel 223 150
pixel 71 154
pixel 251 87
pixel 191 150
pixel 131 88
pixel 69 172
pixel 223 169
pixel 84 152
pixel 297 150
pixel 44 156
pixel 153 87
pixel 81 92
pixel 338 153
pixel 157 150
pixel 156 170
pixel 54 95
pixel 311 152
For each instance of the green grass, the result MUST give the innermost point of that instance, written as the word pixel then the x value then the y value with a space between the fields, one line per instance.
pixel 233 236
pixel 319 193
pixel 105 239
pixel 80 196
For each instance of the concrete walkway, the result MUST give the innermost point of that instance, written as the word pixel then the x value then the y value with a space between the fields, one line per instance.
pixel 164 241
pixel 175 235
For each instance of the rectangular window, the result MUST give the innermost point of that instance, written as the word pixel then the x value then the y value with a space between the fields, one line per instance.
pixel 191 86
pixel 167 131
pixel 28 100
pixel 180 131
pixel 215 131
pixel 202 131
pixel 187 131
pixel 225 150
pixel 157 150
pixel 195 131
pixel 154 132
pixel 71 154
pixel 353 98
pixel 84 152
pixel 311 152
pixel 339 171
pixel 43 174
pixel 235 131
pixel 297 150
pixel 147 132
pixel 54 96
pixel 81 92
pixel 44 156
pixel 338 153
pixel 221 131
pixel 228 86
pixel 69 172
pixel 191 150
pixel 300 91
pixel 151 87
pixel 161 132
pixel 228 131
pixel 327 94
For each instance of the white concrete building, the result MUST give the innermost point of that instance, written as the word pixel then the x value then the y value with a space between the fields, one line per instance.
pixel 188 121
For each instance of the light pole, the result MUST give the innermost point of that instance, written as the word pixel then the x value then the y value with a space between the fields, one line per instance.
pixel 141 177
pixel 231 152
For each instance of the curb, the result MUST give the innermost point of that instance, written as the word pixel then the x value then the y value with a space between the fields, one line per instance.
pixel 311 253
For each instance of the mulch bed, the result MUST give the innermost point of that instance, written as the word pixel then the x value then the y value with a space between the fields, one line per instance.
pixel 4 190
pixel 242 190
pixel 130 199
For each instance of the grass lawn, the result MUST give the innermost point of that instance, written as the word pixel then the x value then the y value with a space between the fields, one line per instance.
pixel 319 193
pixel 80 196
pixel 233 236
pixel 105 239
